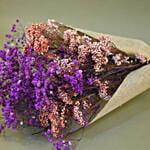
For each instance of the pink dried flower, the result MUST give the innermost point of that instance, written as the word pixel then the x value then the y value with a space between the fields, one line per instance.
pixel 42 25
pixel 119 59
pixel 72 39
pixel 100 51
pixel 142 58
pixel 52 29
pixel 84 48
pixel 42 36
pixel 83 51
pixel 77 43
pixel 64 97
pixel 58 120
pixel 70 36
pixel 103 88
pixel 36 39
pixel 78 115
pixel 63 63
pixel 43 117
pixel 85 104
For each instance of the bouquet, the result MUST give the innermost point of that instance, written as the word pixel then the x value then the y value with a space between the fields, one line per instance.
pixel 60 79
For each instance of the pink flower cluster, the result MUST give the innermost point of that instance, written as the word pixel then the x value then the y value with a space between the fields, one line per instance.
pixel 36 39
pixel 120 59
pixel 103 89
pixel 142 58
pixel 83 45
pixel 41 36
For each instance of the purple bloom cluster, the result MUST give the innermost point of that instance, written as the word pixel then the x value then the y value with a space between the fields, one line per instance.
pixel 75 81
pixel 29 84
pixel 16 93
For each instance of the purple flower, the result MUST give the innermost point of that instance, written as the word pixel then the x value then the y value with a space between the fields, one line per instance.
pixel 50 140
pixel 31 122
pixel 75 62
pixel 23 36
pixel 38 83
pixel 79 74
pixel 17 20
pixel 90 81
pixel 50 86
pixel 48 131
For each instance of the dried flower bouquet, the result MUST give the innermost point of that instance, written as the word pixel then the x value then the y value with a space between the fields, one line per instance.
pixel 60 78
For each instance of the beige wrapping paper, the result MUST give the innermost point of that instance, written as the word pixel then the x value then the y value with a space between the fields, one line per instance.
pixel 135 82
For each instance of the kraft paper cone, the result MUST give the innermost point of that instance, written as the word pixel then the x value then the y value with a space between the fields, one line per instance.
pixel 135 82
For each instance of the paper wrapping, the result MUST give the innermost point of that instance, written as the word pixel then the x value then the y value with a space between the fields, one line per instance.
pixel 135 82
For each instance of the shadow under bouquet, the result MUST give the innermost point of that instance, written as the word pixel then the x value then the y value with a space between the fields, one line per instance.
pixel 61 79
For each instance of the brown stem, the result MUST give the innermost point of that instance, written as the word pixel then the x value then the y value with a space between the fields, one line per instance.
pixel 120 69
pixel 85 97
